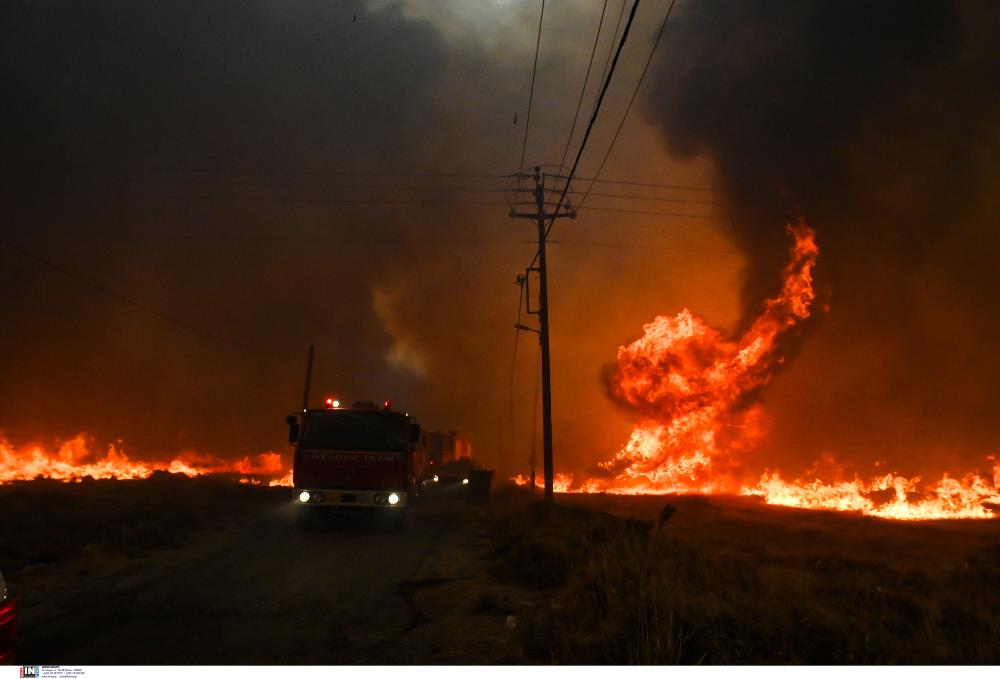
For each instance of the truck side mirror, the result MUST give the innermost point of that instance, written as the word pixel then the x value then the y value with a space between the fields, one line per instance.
pixel 293 428
pixel 414 433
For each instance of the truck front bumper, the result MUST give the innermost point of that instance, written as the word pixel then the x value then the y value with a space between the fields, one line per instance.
pixel 326 497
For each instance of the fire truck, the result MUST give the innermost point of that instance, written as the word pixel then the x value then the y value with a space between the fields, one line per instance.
pixel 362 458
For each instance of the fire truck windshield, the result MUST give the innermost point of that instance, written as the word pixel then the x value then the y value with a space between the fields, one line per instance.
pixel 355 430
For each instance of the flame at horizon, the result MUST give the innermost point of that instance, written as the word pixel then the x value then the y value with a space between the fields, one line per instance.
pixel 692 388
pixel 77 459
pixel 689 386
pixel 692 391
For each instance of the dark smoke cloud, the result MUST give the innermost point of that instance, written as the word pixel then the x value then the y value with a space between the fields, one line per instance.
pixel 877 121
pixel 101 92
pixel 412 303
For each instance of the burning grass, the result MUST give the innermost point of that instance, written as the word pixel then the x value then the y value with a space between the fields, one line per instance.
pixel 687 384
pixel 76 459
pixel 736 583
pixel 693 392
pixel 890 496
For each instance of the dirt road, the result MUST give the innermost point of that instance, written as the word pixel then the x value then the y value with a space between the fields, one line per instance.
pixel 261 592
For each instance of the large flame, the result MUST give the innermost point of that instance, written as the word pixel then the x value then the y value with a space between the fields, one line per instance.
pixel 689 384
pixel 77 459
pixel 691 389
pixel 890 496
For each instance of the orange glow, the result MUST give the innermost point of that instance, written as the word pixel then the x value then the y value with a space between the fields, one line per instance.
pixel 561 483
pixel 686 381
pixel 972 497
pixel 284 481
pixel 689 386
pixel 77 459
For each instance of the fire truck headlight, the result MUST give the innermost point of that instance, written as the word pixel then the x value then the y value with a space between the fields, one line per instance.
pixel 393 499
pixel 465 482
pixel 436 479
pixel 304 496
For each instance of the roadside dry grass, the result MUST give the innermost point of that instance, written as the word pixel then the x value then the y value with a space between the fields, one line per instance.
pixel 593 579
pixel 737 583
pixel 48 523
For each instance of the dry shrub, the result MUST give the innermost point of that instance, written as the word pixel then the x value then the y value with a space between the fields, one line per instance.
pixel 633 594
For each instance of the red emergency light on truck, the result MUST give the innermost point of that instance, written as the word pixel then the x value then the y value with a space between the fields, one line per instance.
pixel 358 458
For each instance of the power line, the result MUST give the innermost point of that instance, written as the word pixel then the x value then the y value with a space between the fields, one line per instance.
pixel 312 185
pixel 531 95
pixel 631 100
pixel 653 198
pixel 593 119
pixel 433 203
pixel 543 230
pixel 333 201
pixel 645 184
pixel 655 212
pixel 432 189
pixel 195 180
pixel 583 89
pixel 611 45
pixel 644 246
pixel 367 240
pixel 331 173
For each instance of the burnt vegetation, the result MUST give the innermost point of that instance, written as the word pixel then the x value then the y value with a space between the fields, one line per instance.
pixel 728 591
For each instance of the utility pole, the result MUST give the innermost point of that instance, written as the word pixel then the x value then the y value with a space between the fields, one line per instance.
pixel 309 374
pixel 540 216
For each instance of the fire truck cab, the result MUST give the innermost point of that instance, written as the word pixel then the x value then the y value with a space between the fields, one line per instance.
pixel 364 458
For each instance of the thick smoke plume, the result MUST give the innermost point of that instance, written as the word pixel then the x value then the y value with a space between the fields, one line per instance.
pixel 878 122
pixel 187 157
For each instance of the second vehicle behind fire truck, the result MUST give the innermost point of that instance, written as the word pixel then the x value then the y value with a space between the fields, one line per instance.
pixel 362 458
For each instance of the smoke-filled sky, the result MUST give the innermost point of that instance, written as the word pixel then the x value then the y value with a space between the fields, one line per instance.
pixel 206 161
pixel 880 123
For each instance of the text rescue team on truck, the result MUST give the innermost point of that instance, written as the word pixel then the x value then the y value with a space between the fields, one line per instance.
pixel 360 458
